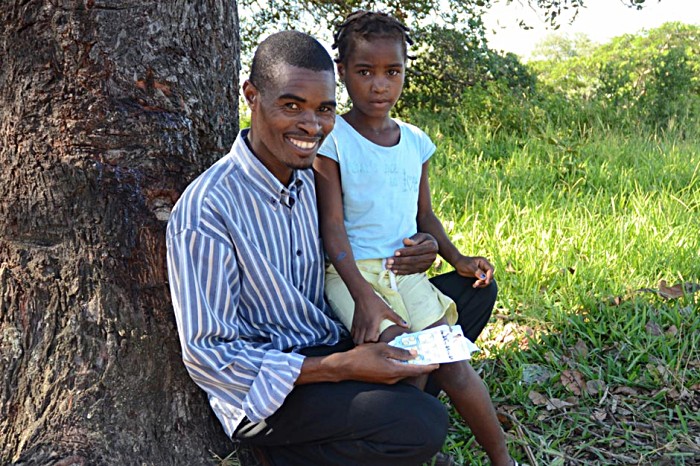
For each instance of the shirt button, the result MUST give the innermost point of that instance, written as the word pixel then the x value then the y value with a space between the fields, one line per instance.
pixel 298 252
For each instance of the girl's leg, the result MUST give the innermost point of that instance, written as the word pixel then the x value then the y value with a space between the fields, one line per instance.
pixel 471 399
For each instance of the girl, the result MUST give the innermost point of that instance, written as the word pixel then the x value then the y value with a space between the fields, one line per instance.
pixel 372 191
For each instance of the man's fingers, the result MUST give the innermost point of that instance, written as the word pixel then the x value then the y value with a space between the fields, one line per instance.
pixel 409 369
pixel 408 242
pixel 399 353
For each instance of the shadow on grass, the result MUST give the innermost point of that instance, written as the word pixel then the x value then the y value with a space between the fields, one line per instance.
pixel 618 383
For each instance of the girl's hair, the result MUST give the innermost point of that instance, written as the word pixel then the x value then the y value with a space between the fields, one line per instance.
pixel 368 24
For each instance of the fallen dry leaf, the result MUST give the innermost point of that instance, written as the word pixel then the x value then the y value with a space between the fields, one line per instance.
pixel 573 381
pixel 677 290
pixel 623 390
pixel 581 349
pixel 537 398
pixel 599 414
pixel 653 329
pixel 672 292
pixel 556 403
pixel 593 387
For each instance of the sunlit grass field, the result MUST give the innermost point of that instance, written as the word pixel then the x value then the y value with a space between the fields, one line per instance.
pixel 590 359
pixel 587 363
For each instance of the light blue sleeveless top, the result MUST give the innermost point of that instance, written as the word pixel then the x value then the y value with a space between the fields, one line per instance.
pixel 379 185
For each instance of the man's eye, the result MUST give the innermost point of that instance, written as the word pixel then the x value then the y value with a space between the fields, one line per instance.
pixel 394 72
pixel 364 72
pixel 325 109
pixel 292 106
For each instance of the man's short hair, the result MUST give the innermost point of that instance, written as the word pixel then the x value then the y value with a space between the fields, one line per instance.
pixel 291 47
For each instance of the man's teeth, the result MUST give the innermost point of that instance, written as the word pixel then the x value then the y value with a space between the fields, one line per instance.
pixel 303 144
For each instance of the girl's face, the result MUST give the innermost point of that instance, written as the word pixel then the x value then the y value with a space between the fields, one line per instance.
pixel 373 73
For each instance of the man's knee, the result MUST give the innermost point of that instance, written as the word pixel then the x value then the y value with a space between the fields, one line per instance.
pixel 491 293
pixel 429 424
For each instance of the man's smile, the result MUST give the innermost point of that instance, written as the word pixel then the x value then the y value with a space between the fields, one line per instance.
pixel 302 144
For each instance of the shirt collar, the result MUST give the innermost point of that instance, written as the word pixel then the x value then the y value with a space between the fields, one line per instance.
pixel 260 177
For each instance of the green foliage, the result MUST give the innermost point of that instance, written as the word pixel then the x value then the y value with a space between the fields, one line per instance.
pixel 451 53
pixel 320 17
pixel 451 61
pixel 577 216
pixel 653 76
pixel 557 47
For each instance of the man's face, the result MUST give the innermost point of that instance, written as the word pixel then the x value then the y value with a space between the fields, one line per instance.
pixel 290 118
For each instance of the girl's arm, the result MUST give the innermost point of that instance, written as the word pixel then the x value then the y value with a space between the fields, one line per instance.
pixel 477 267
pixel 370 309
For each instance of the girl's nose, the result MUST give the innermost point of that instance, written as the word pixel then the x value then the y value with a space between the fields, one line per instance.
pixel 380 85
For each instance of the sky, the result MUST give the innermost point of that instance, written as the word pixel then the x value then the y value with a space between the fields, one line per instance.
pixel 600 20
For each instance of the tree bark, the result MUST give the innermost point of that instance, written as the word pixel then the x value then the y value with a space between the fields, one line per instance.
pixel 108 109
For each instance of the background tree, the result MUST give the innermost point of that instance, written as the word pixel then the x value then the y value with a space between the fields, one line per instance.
pixel 451 52
pixel 654 75
pixel 107 110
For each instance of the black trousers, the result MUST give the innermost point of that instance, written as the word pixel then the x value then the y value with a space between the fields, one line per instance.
pixel 358 423
pixel 474 305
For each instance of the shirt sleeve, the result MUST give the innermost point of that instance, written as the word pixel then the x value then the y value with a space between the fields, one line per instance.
pixel 205 287
pixel 329 147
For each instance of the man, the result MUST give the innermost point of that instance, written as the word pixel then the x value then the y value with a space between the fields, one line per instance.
pixel 246 273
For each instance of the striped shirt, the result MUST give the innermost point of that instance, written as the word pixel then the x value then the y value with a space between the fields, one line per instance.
pixel 245 266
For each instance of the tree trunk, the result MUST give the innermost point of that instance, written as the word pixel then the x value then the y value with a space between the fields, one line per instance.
pixel 108 108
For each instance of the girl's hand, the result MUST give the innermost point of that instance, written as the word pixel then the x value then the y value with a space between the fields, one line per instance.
pixel 370 311
pixel 476 267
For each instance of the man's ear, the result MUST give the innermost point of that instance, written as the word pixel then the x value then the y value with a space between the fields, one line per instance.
pixel 251 94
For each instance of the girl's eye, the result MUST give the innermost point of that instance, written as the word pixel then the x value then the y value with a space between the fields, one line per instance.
pixel 364 72
pixel 394 72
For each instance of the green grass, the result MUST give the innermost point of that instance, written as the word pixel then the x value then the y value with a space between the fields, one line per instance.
pixel 576 222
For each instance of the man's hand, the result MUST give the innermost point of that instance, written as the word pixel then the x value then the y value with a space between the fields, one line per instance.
pixel 370 311
pixel 476 267
pixel 381 363
pixel 418 255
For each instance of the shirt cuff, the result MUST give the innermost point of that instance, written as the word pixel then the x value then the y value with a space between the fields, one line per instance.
pixel 274 382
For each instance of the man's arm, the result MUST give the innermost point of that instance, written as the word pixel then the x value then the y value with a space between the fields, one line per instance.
pixel 371 362
pixel 205 287
pixel 417 255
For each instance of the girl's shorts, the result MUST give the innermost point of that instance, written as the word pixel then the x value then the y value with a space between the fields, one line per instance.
pixel 412 297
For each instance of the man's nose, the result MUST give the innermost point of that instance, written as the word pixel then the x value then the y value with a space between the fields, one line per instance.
pixel 310 123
